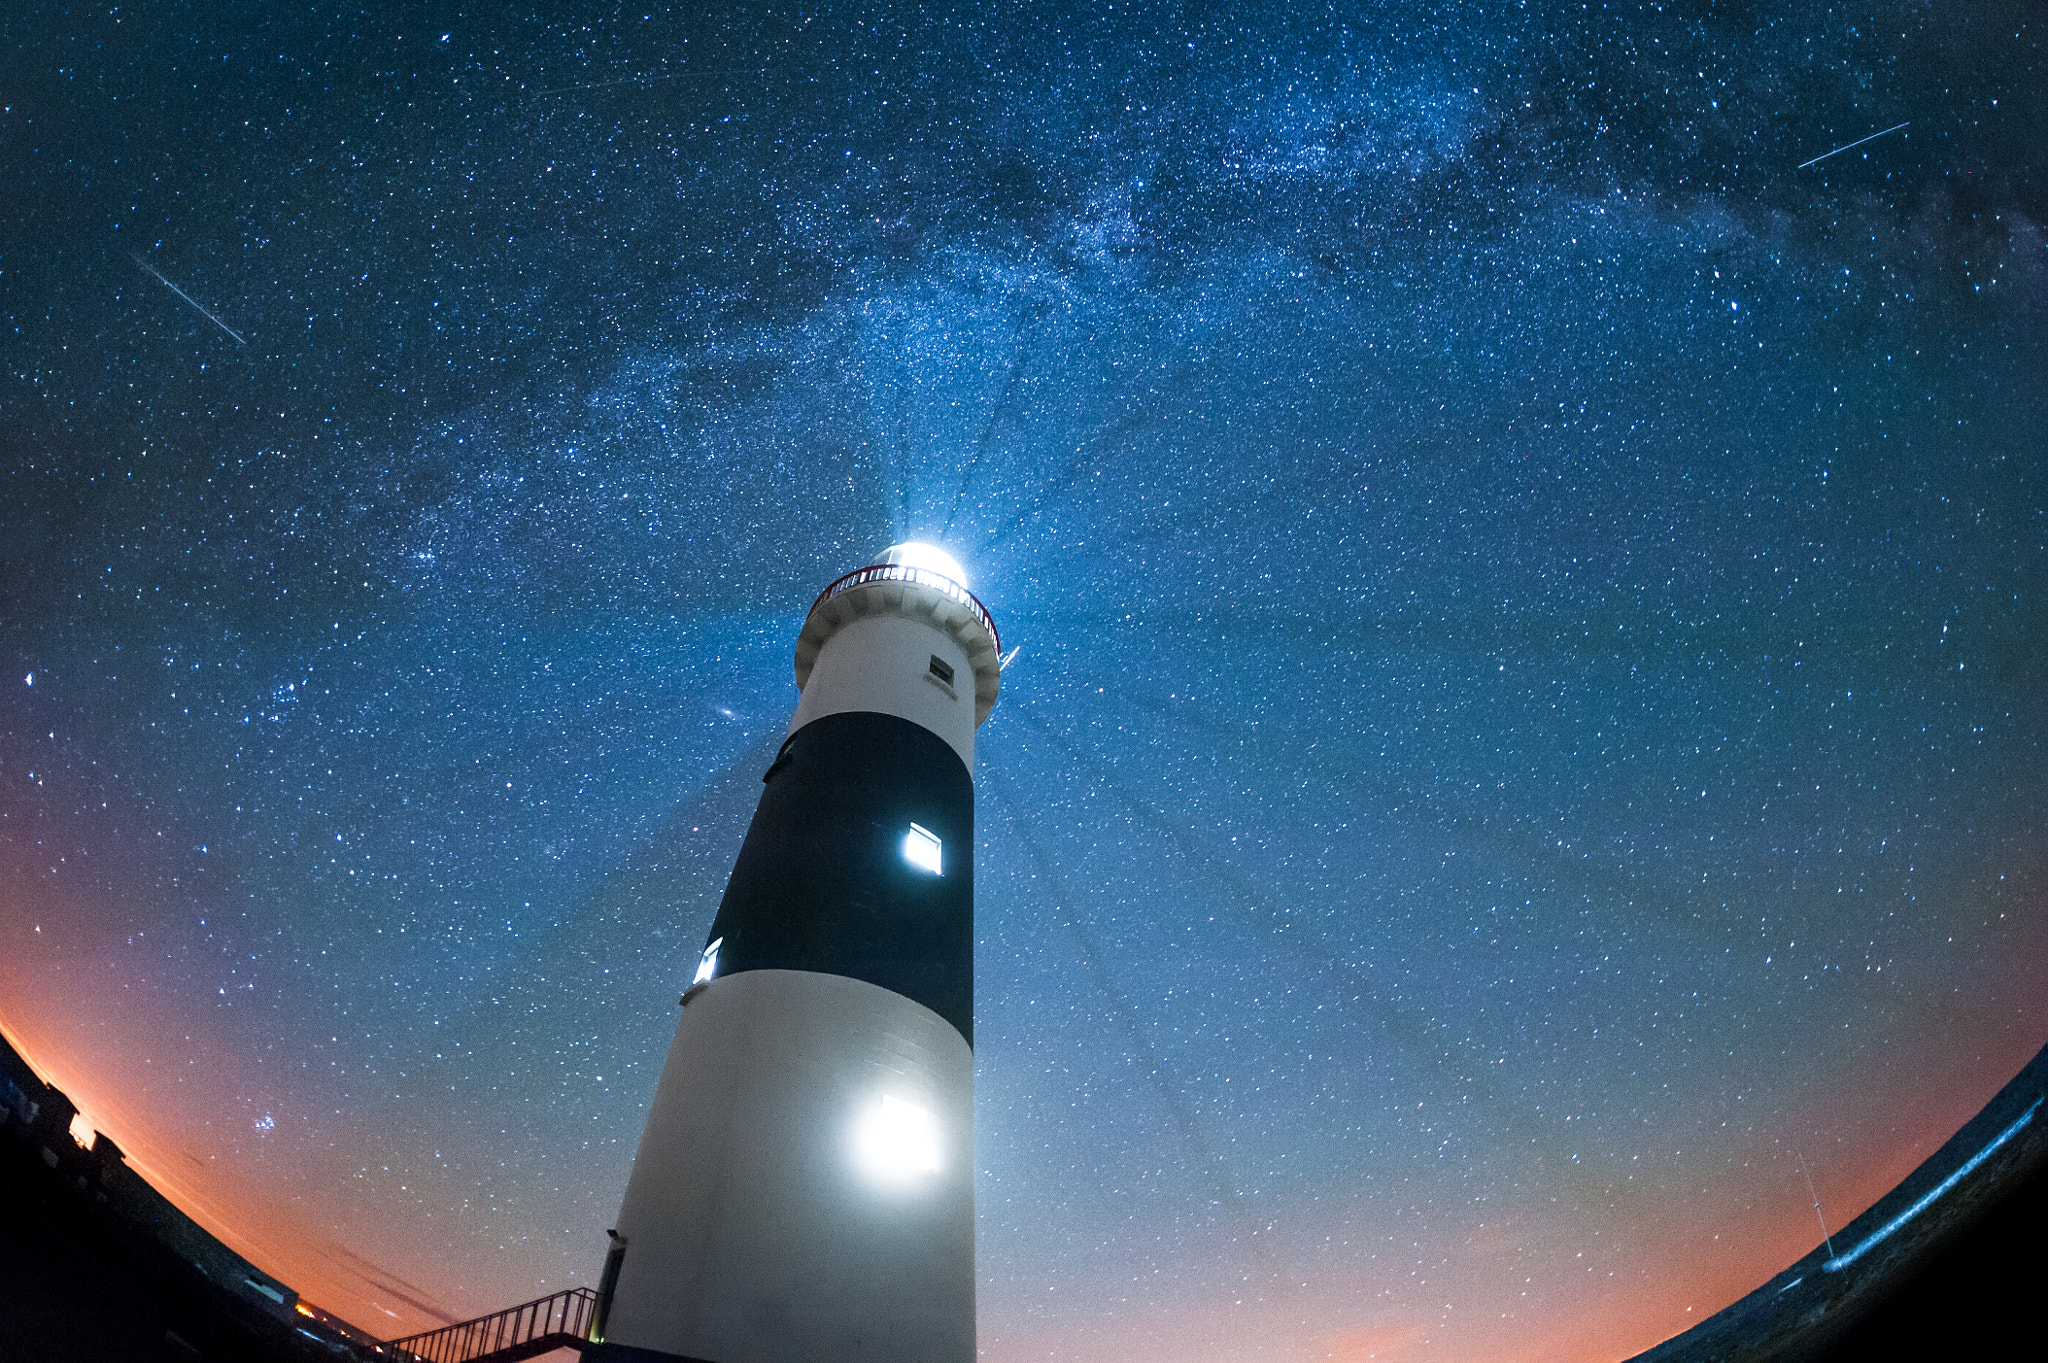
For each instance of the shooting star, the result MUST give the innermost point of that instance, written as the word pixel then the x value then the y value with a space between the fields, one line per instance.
pixel 189 299
pixel 1857 143
pixel 1008 658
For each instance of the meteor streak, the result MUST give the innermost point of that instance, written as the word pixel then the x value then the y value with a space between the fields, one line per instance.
pixel 189 299
pixel 1857 143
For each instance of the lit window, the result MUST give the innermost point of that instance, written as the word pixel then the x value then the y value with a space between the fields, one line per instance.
pixel 895 1141
pixel 708 966
pixel 921 848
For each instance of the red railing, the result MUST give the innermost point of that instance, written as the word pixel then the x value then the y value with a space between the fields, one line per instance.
pixel 923 577
pixel 522 1331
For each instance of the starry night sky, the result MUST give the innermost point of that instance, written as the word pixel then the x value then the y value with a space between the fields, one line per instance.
pixel 1527 745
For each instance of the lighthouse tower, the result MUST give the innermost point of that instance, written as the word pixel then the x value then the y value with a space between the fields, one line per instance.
pixel 804 1189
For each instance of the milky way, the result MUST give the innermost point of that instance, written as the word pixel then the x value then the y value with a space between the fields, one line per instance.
pixel 1527 739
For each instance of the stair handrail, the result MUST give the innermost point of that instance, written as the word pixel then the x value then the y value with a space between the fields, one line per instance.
pixel 567 1312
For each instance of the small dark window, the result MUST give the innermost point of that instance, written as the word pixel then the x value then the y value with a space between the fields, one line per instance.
pixel 942 669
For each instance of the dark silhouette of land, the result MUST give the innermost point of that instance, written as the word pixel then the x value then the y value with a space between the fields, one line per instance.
pixel 1943 1266
pixel 96 1265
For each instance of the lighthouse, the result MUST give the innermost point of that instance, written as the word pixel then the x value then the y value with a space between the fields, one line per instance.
pixel 804 1188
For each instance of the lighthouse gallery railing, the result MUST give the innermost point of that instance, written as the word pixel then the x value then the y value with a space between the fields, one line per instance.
pixel 923 577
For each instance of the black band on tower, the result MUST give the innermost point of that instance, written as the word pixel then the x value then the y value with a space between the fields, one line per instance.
pixel 823 882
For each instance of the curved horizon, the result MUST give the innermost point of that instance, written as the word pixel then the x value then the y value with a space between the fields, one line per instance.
pixel 1525 737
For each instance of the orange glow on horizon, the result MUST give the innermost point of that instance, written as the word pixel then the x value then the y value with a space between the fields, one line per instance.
pixel 1656 1261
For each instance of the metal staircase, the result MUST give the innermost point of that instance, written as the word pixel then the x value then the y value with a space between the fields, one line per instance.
pixel 523 1331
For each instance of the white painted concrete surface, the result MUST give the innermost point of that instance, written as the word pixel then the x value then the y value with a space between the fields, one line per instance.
pixel 766 1220
pixel 882 663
